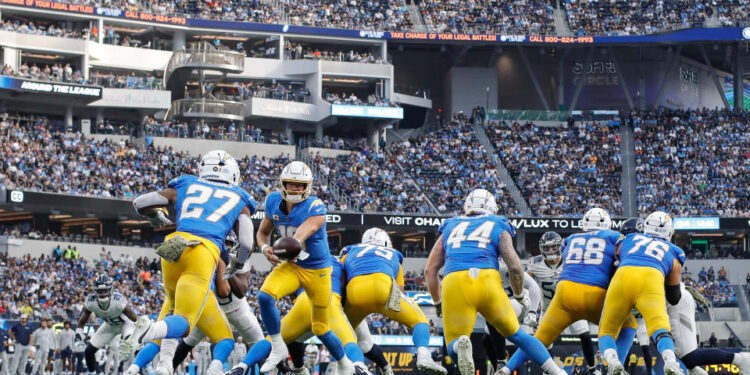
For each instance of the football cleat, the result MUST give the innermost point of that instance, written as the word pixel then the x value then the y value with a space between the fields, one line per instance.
pixel 300 371
pixel 279 352
pixel 132 370
pixel 238 369
pixel 344 366
pixel 161 369
pixel 672 368
pixel 464 353
pixel 387 370
pixel 133 342
pixel 425 362
pixel 361 369
pixel 215 368
pixel 617 369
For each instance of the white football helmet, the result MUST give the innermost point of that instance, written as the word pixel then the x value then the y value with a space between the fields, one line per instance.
pixel 596 219
pixel 480 201
pixel 378 237
pixel 218 165
pixel 659 224
pixel 298 172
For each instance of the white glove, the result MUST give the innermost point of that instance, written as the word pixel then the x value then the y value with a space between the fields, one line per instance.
pixel 525 302
pixel 530 320
pixel 233 267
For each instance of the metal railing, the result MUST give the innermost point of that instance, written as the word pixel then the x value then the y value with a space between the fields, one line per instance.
pixel 207 108
pixel 206 57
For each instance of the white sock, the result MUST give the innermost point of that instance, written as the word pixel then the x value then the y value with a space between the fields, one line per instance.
pixel 668 355
pixel 550 367
pixel 277 340
pixel 423 352
pixel 157 331
pixel 610 355
pixel 166 352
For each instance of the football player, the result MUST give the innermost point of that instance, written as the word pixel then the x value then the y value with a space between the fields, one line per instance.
pixel 649 271
pixel 297 324
pixel 375 283
pixel 293 212
pixel 588 259
pixel 469 246
pixel 113 309
pixel 546 269
pixel 208 207
pixel 230 294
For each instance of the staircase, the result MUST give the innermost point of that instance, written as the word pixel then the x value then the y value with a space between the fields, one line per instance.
pixel 739 294
pixel 337 194
pixel 411 182
pixel 561 23
pixel 627 186
pixel 505 177
pixel 415 16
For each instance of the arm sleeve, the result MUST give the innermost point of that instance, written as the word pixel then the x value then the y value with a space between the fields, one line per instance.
pixel 245 237
pixel 149 200
pixel 673 294
pixel 535 293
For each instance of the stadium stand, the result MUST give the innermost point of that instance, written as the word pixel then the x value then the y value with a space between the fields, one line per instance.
pixel 490 17
pixel 562 170
pixel 692 163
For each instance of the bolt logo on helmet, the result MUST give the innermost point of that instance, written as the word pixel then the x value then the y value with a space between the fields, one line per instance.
pixel 596 219
pixel 632 225
pixel 377 237
pixel 297 172
pixel 659 224
pixel 218 165
pixel 480 201
pixel 103 288
pixel 550 246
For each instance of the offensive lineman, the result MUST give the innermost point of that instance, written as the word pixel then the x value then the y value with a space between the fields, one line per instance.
pixel 545 269
pixel 469 246
pixel 113 309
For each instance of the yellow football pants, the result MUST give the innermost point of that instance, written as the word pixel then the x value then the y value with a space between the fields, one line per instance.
pixel 368 294
pixel 571 303
pixel 297 321
pixel 467 292
pixel 641 288
pixel 287 277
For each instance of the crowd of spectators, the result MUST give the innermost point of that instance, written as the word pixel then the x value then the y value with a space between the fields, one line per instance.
pixel 562 170
pixel 449 163
pixel 275 90
pixel 334 143
pixel 733 13
pixel 352 99
pixel 54 72
pixel 692 163
pixel 372 181
pixel 713 285
pixel 298 51
pixel 380 15
pixel 61 29
pixel 217 131
pixel 140 80
pixel 489 17
pixel 598 17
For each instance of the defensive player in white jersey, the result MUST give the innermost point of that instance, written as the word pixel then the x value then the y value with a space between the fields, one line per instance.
pixel 545 269
pixel 682 323
pixel 110 307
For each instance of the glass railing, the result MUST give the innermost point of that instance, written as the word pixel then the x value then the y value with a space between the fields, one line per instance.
pixel 234 61
pixel 207 108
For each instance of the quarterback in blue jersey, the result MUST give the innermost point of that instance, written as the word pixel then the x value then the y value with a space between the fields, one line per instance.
pixel 375 283
pixel 649 272
pixel 208 207
pixel 293 212
pixel 468 247
pixel 588 261
pixel 297 323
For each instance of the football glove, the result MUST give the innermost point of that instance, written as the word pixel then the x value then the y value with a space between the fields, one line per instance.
pixel 438 308
pixel 233 267
pixel 159 219
pixel 171 249
pixel 525 302
pixel 697 296
pixel 530 320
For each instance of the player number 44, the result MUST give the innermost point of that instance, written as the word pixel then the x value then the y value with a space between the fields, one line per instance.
pixel 481 235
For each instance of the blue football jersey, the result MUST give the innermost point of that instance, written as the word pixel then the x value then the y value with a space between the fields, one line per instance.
pixel 337 276
pixel 473 241
pixel 588 258
pixel 643 250
pixel 209 209
pixel 364 259
pixel 316 246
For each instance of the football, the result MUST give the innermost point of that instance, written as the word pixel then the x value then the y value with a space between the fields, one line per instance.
pixel 287 248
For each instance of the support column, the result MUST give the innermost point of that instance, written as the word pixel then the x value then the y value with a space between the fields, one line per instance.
pixel 560 85
pixel 100 35
pixel 384 51
pixel 372 135
pixel 84 67
pixel 739 89
pixel 282 50
pixel 11 57
pixel 99 117
pixel 178 40
pixel 319 130
pixel 521 242
pixel 68 119
pixel 641 82
pixel 288 130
